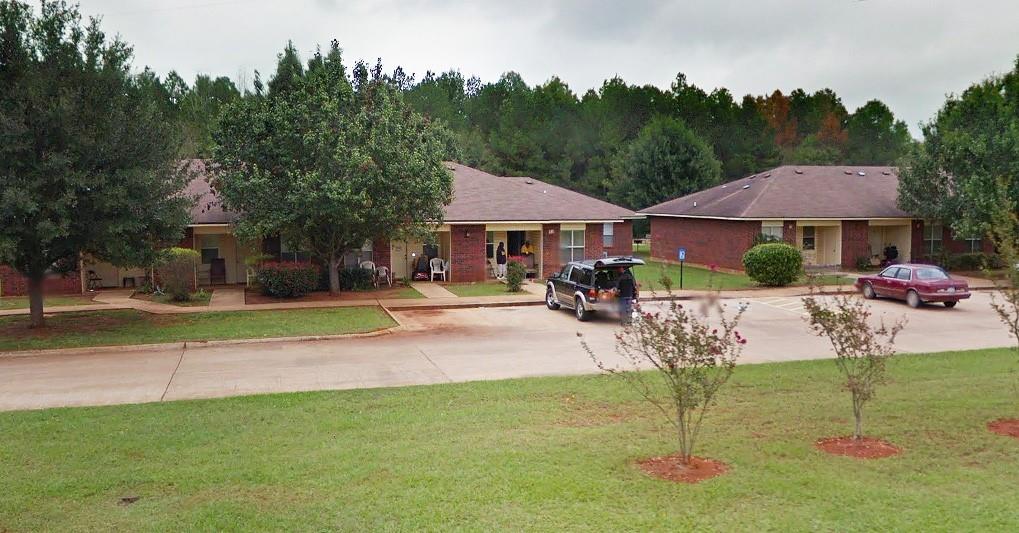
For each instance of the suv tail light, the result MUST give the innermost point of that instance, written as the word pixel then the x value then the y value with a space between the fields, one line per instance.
pixel 592 294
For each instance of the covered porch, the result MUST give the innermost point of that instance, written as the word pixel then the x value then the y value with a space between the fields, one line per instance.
pixel 888 238
pixel 522 242
pixel 222 255
pixel 413 255
pixel 820 242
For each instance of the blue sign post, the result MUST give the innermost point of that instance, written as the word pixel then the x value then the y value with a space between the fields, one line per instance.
pixel 682 259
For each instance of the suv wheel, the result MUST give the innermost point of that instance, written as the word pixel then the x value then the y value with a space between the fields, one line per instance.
pixel 583 315
pixel 550 299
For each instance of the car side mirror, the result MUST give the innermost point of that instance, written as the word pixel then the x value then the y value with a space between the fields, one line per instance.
pixel 555 275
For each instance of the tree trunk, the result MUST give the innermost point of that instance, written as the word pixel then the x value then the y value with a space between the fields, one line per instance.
pixel 334 275
pixel 35 303
pixel 858 414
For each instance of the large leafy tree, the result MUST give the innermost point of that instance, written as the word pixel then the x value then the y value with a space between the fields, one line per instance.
pixel 875 137
pixel 87 160
pixel 666 160
pixel 329 160
pixel 969 156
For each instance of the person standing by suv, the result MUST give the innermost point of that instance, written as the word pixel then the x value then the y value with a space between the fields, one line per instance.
pixel 626 288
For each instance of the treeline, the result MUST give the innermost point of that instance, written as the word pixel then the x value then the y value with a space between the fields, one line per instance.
pixel 590 142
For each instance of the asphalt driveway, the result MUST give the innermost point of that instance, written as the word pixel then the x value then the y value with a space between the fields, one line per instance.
pixel 434 346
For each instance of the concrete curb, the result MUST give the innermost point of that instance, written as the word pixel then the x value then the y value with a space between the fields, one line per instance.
pixel 195 344
pixel 473 305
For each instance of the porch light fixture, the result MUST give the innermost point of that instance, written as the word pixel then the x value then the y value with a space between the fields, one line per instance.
pixel 467 233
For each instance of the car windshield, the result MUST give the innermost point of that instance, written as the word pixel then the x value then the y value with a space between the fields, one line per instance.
pixel 929 274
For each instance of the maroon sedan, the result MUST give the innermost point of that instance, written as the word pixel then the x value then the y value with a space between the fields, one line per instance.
pixel 917 284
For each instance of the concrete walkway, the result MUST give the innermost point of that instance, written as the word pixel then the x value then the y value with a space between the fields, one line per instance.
pixel 432 290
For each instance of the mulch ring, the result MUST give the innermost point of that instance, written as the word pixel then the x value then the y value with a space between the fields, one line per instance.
pixel 862 448
pixel 1008 427
pixel 671 467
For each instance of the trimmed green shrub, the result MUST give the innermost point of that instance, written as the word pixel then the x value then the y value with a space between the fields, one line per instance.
pixel 773 264
pixel 974 261
pixel 515 274
pixel 175 268
pixel 287 279
pixel 356 279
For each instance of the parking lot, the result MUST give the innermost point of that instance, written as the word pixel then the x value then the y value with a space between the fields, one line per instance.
pixel 438 346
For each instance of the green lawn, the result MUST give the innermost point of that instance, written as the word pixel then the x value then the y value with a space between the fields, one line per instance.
pixel 488 288
pixel 531 454
pixel 21 302
pixel 701 278
pixel 406 292
pixel 106 328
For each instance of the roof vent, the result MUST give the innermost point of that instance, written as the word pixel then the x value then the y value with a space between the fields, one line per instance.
pixel 767 175
pixel 529 181
pixel 695 204
pixel 752 176
pixel 886 173
pixel 746 186
pixel 724 186
pixel 798 171
pixel 848 172
pixel 861 173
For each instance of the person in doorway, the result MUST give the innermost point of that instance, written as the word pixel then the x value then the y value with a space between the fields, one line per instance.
pixel 626 289
pixel 525 249
pixel 500 261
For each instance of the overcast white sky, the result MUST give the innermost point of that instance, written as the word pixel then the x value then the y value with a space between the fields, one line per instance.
pixel 908 53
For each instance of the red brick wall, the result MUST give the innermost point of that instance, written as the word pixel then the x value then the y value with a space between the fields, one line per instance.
pixel 916 247
pixel 381 252
pixel 954 245
pixel 707 241
pixel 789 232
pixel 622 239
pixel 593 248
pixel 550 248
pixel 467 252
pixel 855 242
pixel 14 284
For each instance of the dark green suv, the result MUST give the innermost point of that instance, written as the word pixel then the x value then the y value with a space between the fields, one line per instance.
pixel 588 286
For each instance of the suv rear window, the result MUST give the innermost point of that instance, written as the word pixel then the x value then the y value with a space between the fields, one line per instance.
pixel 605 278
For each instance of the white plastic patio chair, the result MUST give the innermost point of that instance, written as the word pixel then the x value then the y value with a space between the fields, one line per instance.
pixel 382 274
pixel 370 266
pixel 437 266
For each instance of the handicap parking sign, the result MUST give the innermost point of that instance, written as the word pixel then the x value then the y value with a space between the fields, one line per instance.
pixel 682 254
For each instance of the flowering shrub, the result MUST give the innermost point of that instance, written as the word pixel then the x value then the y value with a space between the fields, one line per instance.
pixel 287 279
pixel 515 274
pixel 861 348
pixel 693 357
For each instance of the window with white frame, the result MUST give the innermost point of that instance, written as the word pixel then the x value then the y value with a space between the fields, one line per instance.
pixel 209 245
pixel 607 234
pixel 932 232
pixel 490 244
pixel 975 244
pixel 571 245
pixel 772 232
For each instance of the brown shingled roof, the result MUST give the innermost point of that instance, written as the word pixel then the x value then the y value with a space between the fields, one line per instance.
pixel 208 208
pixel 477 197
pixel 796 192
pixel 482 197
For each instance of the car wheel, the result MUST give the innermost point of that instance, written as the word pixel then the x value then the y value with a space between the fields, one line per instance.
pixel 913 299
pixel 868 291
pixel 550 299
pixel 583 315
pixel 950 304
